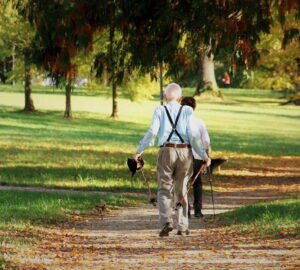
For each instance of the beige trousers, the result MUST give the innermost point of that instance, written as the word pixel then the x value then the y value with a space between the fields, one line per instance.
pixel 174 169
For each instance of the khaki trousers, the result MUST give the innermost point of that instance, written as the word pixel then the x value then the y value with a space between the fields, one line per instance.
pixel 174 169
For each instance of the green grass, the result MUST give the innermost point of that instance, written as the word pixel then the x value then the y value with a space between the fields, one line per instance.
pixel 19 208
pixel 90 152
pixel 279 218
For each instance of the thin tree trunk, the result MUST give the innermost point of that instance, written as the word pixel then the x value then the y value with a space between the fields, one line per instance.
pixel 298 74
pixel 13 62
pixel 29 107
pixel 104 80
pixel 114 101
pixel 111 70
pixel 206 79
pixel 68 111
pixel 161 84
pixel 200 81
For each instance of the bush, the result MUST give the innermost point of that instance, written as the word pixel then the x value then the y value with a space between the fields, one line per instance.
pixel 141 87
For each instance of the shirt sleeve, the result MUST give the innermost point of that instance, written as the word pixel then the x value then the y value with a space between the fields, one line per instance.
pixel 204 136
pixel 149 138
pixel 195 137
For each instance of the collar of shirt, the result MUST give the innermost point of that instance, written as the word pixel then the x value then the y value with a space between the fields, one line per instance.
pixel 173 103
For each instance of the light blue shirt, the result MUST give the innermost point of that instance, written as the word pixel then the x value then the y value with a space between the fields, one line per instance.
pixel 186 128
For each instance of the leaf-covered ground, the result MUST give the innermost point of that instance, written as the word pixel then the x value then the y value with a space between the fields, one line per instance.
pixel 128 238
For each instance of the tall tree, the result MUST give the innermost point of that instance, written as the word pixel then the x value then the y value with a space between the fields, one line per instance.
pixel 63 29
pixel 113 61
pixel 17 35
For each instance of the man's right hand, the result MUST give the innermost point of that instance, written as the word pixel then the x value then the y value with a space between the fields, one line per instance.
pixel 136 156
pixel 208 162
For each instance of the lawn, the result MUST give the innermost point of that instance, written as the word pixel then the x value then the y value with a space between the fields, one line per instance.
pixel 279 218
pixel 90 152
pixel 25 208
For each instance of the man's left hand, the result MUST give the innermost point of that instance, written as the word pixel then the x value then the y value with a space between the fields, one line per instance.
pixel 208 162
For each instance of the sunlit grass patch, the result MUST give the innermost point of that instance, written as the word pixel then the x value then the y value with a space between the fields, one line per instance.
pixel 279 218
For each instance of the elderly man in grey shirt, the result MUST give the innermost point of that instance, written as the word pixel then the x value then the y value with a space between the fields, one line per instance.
pixel 177 136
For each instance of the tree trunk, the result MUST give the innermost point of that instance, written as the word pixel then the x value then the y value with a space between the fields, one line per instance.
pixel 298 74
pixel 68 111
pixel 161 84
pixel 13 62
pixel 112 72
pixel 114 101
pixel 104 80
pixel 206 79
pixel 29 107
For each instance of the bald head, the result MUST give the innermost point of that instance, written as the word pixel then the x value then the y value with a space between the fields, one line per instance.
pixel 173 92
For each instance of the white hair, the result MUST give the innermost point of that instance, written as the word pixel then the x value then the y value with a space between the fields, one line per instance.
pixel 173 91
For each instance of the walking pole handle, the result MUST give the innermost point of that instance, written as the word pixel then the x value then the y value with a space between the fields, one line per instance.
pixel 152 199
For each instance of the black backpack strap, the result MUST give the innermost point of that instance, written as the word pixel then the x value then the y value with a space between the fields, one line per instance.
pixel 174 125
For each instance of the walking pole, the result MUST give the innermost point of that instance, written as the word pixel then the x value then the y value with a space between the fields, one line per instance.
pixel 152 198
pixel 211 189
pixel 179 204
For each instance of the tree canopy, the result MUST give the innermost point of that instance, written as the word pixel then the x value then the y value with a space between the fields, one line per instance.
pixel 153 29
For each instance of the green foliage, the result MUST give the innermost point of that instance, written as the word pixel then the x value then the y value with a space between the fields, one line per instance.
pixel 152 32
pixel 277 218
pixel 141 87
pixel 276 69
pixel 17 33
pixel 263 80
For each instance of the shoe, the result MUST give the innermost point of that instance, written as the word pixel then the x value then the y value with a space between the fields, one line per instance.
pixel 186 232
pixel 165 230
pixel 199 215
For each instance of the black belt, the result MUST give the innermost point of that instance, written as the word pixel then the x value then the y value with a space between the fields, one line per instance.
pixel 178 145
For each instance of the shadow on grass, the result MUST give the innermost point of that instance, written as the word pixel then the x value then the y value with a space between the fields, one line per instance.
pixel 51 125
pixel 102 179
pixel 49 208
pixel 258 181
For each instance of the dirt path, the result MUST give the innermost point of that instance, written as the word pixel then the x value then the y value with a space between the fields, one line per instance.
pixel 128 239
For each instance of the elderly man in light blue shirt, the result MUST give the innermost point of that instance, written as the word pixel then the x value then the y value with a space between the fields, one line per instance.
pixel 177 136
